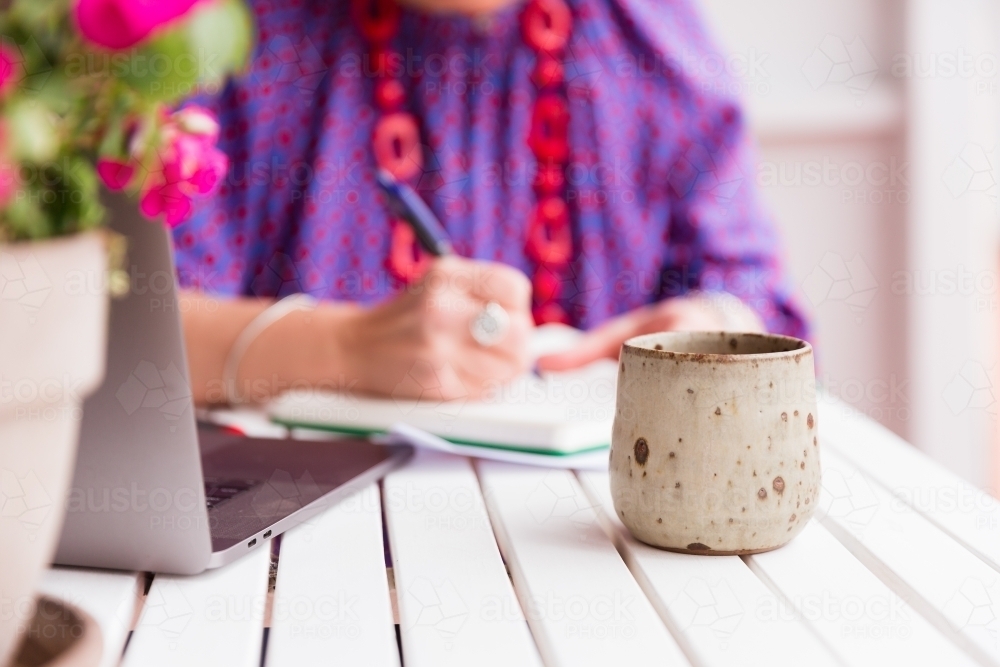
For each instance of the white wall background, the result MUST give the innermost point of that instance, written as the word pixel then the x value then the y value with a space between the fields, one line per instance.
pixel 877 124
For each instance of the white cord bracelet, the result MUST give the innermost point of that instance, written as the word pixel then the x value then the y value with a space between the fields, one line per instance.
pixel 257 326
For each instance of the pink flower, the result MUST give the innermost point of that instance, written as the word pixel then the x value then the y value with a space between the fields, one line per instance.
pixel 10 65
pixel 116 174
pixel 119 24
pixel 190 166
pixel 167 200
pixel 198 120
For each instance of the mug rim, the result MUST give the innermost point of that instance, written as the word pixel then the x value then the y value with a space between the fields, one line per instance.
pixel 632 345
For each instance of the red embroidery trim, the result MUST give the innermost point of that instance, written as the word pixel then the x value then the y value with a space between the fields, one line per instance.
pixel 545 27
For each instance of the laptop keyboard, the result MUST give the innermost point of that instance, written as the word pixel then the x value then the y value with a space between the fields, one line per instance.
pixel 218 491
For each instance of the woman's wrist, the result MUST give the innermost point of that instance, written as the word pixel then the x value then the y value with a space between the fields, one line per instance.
pixel 305 349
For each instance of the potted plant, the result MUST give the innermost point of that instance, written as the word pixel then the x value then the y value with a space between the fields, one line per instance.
pixel 90 99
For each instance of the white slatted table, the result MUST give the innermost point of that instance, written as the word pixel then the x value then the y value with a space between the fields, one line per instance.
pixel 496 564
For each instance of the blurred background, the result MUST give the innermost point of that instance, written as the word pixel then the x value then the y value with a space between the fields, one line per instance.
pixel 877 128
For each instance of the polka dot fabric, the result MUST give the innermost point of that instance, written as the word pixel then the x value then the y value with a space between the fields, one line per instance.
pixel 659 181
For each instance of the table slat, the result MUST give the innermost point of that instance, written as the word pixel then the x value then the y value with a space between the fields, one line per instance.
pixel 583 605
pixel 969 514
pixel 714 604
pixel 866 622
pixel 456 603
pixel 959 592
pixel 211 619
pixel 112 598
pixel 331 597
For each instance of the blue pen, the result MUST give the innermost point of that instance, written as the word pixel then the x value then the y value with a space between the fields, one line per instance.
pixel 407 204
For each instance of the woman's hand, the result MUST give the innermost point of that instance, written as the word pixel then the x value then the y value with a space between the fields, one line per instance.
pixel 694 313
pixel 419 345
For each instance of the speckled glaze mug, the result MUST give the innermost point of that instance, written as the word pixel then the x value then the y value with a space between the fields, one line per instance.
pixel 715 448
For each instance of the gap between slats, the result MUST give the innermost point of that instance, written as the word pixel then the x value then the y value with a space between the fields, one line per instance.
pixel 904 590
pixel 506 492
pixel 146 583
pixel 660 605
pixel 912 463
pixel 929 516
pixel 640 577
pixel 519 586
pixel 882 569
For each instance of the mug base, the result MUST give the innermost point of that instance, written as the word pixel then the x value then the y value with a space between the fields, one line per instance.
pixel 706 551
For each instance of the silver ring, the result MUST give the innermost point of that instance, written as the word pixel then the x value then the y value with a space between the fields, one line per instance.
pixel 490 325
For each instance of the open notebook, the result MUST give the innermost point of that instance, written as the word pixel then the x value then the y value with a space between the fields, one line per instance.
pixel 559 413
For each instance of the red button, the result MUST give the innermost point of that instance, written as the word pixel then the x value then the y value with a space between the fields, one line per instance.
pixel 378 20
pixel 549 244
pixel 549 179
pixel 381 62
pixel 546 24
pixel 396 144
pixel 552 211
pixel 547 285
pixel 548 72
pixel 550 312
pixel 389 94
pixel 407 260
pixel 549 121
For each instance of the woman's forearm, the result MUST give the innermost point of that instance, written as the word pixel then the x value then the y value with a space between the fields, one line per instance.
pixel 416 345
pixel 303 347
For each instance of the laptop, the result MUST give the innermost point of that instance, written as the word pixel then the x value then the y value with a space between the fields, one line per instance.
pixel 154 490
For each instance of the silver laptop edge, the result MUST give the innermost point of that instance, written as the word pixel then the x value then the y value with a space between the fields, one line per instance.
pixel 138 500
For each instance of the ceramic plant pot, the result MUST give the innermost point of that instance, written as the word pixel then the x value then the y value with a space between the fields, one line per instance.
pixel 53 328
pixel 714 448
pixel 59 635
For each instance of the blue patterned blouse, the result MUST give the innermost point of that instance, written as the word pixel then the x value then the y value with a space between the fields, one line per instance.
pixel 660 180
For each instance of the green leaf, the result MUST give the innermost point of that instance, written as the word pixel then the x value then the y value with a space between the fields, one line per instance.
pixel 164 68
pixel 223 32
pixel 33 130
pixel 197 52
pixel 23 218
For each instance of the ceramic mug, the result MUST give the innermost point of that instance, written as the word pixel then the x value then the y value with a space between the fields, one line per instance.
pixel 715 448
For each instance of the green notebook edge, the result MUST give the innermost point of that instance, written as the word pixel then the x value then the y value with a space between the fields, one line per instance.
pixel 347 430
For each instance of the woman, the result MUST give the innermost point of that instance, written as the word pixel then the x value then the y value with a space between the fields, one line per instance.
pixel 578 153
